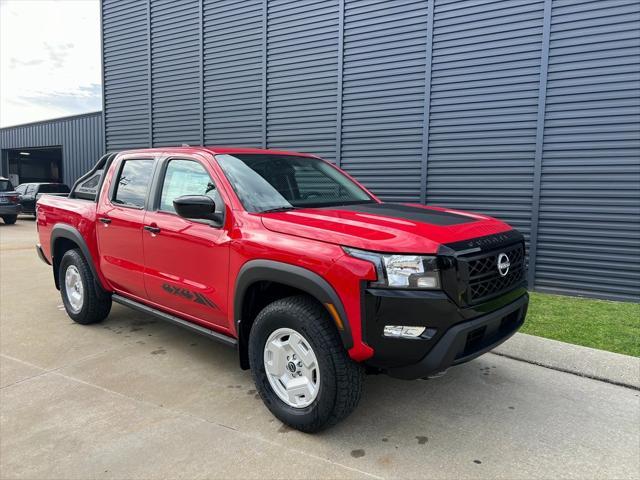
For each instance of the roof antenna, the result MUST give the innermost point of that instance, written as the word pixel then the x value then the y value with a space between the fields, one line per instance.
pixel 185 145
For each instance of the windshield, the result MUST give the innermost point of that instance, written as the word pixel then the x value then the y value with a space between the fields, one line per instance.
pixel 5 186
pixel 272 182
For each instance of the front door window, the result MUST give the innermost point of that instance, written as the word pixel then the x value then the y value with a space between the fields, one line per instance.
pixel 186 177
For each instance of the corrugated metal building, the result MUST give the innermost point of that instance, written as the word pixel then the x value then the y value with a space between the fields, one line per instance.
pixel 61 149
pixel 528 110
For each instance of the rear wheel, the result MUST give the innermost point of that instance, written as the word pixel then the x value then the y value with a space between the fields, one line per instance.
pixel 300 366
pixel 10 219
pixel 82 299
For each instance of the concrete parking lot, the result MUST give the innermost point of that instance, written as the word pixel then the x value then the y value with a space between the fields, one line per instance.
pixel 136 398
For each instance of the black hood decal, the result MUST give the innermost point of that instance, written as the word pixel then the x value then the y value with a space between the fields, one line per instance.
pixel 407 212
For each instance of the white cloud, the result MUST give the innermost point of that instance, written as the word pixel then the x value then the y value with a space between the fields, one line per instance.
pixel 49 59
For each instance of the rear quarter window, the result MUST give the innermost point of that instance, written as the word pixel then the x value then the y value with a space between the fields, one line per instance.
pixel 6 186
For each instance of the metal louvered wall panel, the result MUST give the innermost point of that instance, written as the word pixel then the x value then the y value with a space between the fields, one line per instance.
pixel 484 95
pixel 589 232
pixel 175 72
pixel 525 110
pixel 383 95
pixel 302 75
pixel 125 57
pixel 233 72
pixel 80 136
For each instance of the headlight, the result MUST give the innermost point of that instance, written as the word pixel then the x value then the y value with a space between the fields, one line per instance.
pixel 401 271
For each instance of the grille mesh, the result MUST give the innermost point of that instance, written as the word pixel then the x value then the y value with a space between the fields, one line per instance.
pixel 484 279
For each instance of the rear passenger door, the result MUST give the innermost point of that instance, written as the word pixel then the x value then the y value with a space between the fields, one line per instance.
pixel 186 261
pixel 119 222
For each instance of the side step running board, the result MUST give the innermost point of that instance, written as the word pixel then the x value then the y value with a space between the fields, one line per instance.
pixel 220 337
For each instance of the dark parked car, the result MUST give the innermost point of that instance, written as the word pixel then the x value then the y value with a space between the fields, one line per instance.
pixel 30 192
pixel 9 202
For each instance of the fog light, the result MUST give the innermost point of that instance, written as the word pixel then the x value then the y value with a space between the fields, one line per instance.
pixel 399 331
pixel 430 280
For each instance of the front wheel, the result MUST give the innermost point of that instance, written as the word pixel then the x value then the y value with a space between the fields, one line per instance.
pixel 10 219
pixel 82 299
pixel 300 366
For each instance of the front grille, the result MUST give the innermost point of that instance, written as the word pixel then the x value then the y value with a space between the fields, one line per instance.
pixel 484 279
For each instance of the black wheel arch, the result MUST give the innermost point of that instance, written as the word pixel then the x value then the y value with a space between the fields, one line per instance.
pixel 62 232
pixel 296 277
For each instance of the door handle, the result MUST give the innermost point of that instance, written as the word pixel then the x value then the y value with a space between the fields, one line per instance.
pixel 105 220
pixel 151 229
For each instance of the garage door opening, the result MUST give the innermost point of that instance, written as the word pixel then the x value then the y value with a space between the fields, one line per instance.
pixel 27 165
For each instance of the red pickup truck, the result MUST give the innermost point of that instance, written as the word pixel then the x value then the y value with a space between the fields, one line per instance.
pixel 289 260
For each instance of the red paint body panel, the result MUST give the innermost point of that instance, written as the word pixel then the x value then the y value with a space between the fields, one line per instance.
pixel 207 260
pixel 377 232
pixel 79 214
pixel 191 243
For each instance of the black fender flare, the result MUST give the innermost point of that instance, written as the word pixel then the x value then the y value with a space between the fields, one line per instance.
pixel 293 276
pixel 62 230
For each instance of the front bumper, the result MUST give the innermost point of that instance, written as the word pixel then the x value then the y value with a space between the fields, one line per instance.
pixel 454 335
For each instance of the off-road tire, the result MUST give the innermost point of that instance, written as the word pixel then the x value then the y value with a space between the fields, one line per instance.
pixel 10 219
pixel 96 304
pixel 341 378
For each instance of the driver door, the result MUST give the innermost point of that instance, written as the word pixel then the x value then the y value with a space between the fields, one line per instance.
pixel 186 261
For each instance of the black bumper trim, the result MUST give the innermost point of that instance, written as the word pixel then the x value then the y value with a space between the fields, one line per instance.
pixel 454 347
pixel 10 209
pixel 41 254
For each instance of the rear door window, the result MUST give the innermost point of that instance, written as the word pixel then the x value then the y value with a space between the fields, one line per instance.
pixel 133 183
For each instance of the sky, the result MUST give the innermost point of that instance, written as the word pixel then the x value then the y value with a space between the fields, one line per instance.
pixel 49 59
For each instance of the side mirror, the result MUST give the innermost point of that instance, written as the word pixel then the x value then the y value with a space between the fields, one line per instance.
pixel 197 207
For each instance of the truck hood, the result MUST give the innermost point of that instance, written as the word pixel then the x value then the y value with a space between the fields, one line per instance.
pixel 384 227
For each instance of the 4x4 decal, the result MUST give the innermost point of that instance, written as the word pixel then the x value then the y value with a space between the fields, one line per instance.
pixel 189 295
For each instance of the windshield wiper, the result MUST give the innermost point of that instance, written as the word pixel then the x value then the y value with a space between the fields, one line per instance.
pixel 277 209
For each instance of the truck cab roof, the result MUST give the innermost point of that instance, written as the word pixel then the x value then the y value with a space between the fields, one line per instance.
pixel 220 150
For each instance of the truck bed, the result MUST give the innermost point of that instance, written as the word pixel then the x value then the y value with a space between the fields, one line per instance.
pixel 77 210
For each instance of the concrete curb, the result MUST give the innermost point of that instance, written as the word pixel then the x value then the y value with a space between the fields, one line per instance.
pixel 583 361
